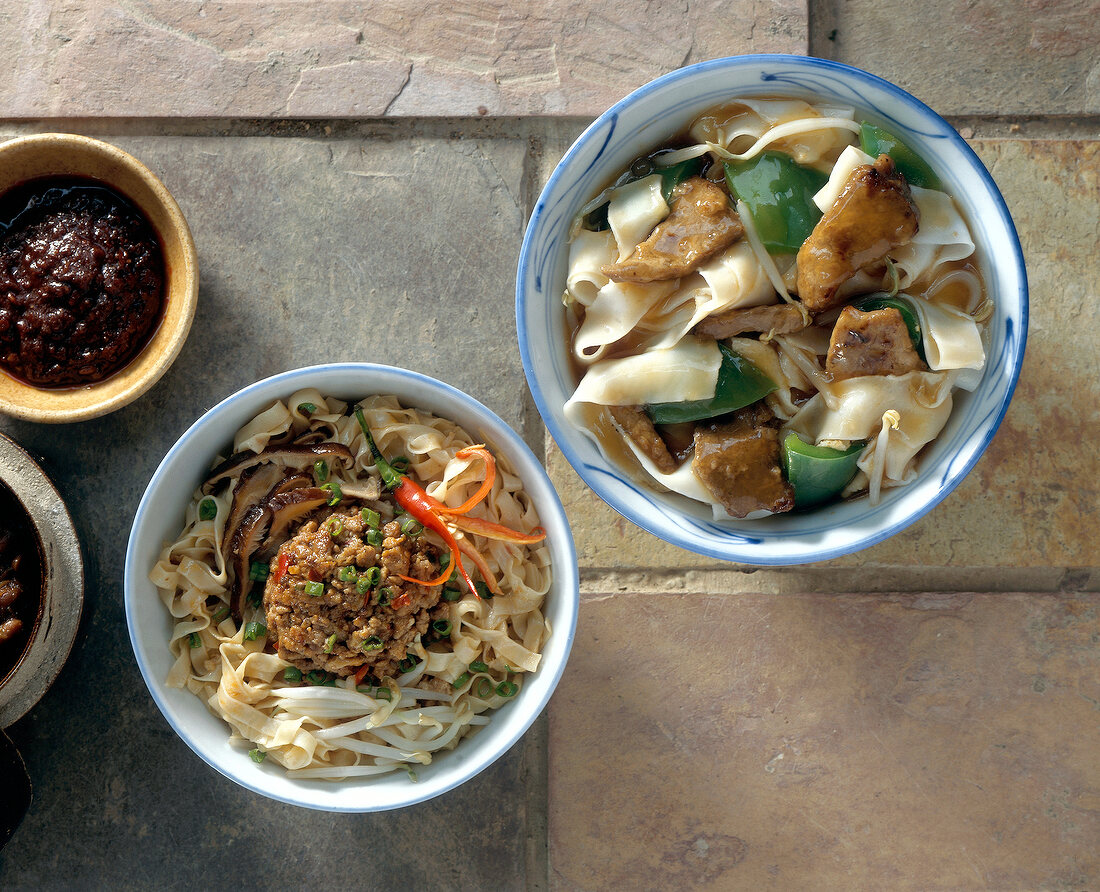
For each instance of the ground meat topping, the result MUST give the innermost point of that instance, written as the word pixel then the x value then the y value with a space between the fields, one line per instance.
pixel 319 597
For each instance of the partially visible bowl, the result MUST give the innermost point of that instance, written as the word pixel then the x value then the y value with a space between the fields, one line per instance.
pixel 159 518
pixel 645 120
pixel 69 155
pixel 45 642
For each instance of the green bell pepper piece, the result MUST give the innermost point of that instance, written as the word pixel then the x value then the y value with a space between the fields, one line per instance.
pixel 912 321
pixel 817 473
pixel 671 177
pixel 740 383
pixel 875 141
pixel 779 194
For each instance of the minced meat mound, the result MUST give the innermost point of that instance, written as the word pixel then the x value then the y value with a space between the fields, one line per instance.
pixel 373 625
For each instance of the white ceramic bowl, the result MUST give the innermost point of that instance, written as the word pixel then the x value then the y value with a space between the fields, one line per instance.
pixel 642 122
pixel 160 516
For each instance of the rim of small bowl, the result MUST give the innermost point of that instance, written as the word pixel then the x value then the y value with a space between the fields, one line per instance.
pixel 69 154
pixel 457 766
pixel 754 542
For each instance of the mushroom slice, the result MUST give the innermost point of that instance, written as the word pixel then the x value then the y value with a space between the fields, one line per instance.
pixel 245 540
pixel 290 456
pixel 288 507
pixel 369 489
pixel 253 487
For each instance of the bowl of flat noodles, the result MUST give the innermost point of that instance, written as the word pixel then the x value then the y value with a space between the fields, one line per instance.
pixel 350 587
pixel 772 309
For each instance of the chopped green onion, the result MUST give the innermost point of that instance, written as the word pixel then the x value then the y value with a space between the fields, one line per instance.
pixel 452 594
pixel 371 518
pixel 317 676
pixel 320 469
pixel 347 574
pixel 400 464
pixel 507 688
pixel 374 538
pixel 292 674
pixel 372 643
pixel 383 694
pixel 256 596
pixel 385 595
pixel 258 571
pixel 484 688
pixel 222 613
pixel 334 525
pixel 408 663
pixel 257 755
pixel 334 488
pixel 460 681
pixel 315 589
pixel 208 509
pixel 306 409
pixel 483 591
pixel 373 576
pixel 330 643
pixel 411 773
pixel 252 631
pixel 411 527
pixel 195 640
pixel 478 666
pixel 442 627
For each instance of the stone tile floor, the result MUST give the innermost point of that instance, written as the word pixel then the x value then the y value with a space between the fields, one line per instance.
pixel 925 714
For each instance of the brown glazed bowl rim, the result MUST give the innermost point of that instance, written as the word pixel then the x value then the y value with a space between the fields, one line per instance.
pixel 68 154
pixel 63 589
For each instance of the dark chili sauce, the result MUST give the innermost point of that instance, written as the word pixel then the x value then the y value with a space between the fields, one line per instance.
pixel 81 281
pixel 21 581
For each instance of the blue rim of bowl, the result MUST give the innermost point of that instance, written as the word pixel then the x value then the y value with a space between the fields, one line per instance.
pixel 733 552
pixel 515 445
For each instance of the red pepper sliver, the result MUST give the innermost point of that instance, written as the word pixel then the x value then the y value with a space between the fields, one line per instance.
pixel 280 567
pixel 362 673
pixel 491 530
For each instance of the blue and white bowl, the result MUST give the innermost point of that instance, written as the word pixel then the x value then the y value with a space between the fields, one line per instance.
pixel 643 121
pixel 160 516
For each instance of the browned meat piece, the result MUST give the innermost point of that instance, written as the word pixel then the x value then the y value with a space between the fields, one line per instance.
pixel 738 461
pixel 638 426
pixel 699 225
pixel 376 627
pixel 874 214
pixel 778 318
pixel 874 343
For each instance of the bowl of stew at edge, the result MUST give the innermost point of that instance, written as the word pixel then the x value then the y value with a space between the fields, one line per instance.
pixel 41 582
pixel 739 487
pixel 98 278
pixel 161 515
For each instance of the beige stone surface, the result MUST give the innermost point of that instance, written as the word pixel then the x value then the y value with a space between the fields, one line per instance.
pixel 169 58
pixel 1033 500
pixel 828 742
pixel 974 57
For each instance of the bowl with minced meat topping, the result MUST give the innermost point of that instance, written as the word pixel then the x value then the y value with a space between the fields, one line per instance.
pixel 350 587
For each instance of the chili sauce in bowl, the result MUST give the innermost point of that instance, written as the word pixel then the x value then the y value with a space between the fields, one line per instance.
pixel 81 281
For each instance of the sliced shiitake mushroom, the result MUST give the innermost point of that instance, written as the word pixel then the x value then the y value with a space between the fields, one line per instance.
pixel 288 507
pixel 292 456
pixel 246 539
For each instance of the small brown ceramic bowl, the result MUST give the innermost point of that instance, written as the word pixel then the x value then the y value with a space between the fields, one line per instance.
pixel 68 155
pixel 52 582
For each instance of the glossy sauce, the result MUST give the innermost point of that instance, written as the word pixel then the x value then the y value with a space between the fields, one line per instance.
pixel 81 282
pixel 21 574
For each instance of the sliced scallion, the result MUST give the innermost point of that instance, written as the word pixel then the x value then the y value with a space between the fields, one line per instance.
pixel 257 755
pixel 195 640
pixel 292 674
pixel 460 681
pixel 478 666
pixel 374 538
pixel 315 589
pixel 252 631
pixel 333 488
pixel 258 571
pixel 208 509
pixel 400 464
pixel 320 470
pixel 306 409
pixel 442 627
pixel 507 688
pixel 451 594
pixel 330 643
pixel 411 527
pixel 483 590
pixel 371 518
pixel 385 595
pixel 221 614
pixel 383 694
pixel 372 643
pixel 347 574
pixel 484 689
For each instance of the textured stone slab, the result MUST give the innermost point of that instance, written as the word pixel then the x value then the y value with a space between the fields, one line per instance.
pixel 841 742
pixel 168 58
pixel 1033 500
pixel 311 251
pixel 991 57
